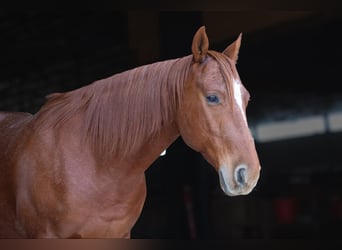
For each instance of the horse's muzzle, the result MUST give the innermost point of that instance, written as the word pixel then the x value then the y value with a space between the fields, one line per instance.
pixel 237 182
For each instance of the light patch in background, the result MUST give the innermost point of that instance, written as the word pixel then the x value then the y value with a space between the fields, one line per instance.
pixel 280 130
pixel 335 121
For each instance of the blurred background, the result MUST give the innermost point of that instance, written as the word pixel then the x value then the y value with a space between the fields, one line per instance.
pixel 290 61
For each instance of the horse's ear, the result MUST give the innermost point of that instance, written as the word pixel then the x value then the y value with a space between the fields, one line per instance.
pixel 232 51
pixel 200 45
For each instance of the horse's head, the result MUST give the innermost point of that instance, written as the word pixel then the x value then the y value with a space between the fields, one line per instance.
pixel 212 116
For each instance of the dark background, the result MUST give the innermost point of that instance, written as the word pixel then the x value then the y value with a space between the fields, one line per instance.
pixel 290 61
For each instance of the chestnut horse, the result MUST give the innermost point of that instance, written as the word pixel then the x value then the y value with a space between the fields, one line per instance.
pixel 75 169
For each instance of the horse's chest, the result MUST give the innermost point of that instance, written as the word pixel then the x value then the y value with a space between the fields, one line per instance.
pixel 111 216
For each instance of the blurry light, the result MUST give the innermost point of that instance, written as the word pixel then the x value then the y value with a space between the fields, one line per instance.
pixel 305 126
pixel 335 121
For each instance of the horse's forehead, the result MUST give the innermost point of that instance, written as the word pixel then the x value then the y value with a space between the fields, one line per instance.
pixel 211 71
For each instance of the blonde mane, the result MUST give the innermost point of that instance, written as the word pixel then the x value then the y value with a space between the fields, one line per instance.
pixel 125 110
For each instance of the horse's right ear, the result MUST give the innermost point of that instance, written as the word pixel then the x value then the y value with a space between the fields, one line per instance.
pixel 200 45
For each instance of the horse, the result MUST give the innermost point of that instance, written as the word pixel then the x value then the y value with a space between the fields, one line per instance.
pixel 76 168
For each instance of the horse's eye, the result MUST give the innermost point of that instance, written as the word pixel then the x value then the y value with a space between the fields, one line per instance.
pixel 213 99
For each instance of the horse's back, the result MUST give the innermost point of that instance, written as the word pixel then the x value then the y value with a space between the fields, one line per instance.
pixel 11 127
pixel 13 117
pixel 4 114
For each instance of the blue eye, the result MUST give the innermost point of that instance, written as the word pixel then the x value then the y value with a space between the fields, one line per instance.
pixel 213 99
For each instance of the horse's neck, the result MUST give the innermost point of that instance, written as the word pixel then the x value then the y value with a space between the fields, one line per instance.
pixel 138 130
pixel 145 123
pixel 150 151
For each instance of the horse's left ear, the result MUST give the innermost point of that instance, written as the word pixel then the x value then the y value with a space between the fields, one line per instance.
pixel 232 51
pixel 200 45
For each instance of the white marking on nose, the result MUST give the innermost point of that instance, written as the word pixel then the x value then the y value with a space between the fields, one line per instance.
pixel 238 98
pixel 224 182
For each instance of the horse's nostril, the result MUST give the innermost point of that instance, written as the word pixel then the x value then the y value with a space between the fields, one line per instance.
pixel 240 175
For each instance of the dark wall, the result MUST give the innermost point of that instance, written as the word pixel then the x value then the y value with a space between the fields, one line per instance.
pixel 45 52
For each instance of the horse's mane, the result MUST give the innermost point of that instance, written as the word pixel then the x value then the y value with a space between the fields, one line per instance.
pixel 123 111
